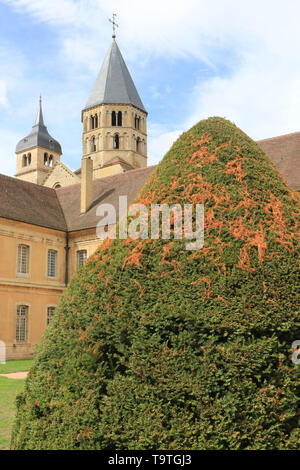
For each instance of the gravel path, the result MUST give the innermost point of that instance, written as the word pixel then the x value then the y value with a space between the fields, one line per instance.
pixel 15 375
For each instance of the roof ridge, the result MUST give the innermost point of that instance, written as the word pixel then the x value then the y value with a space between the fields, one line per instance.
pixel 106 178
pixel 279 136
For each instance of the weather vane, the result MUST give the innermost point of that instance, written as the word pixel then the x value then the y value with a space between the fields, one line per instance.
pixel 114 24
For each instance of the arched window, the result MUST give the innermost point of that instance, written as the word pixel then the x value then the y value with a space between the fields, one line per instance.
pixel 138 144
pixel 45 158
pixel 57 186
pixel 119 118
pixel 113 118
pixel 94 145
pixel 92 122
pixel 24 160
pixel 50 163
pixel 29 159
pixel 116 141
pixel 137 122
pixel 96 120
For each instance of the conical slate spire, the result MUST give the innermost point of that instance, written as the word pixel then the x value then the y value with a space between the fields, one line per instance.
pixel 39 117
pixel 114 83
pixel 39 136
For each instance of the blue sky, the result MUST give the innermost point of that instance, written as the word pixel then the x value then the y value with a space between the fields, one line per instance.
pixel 189 60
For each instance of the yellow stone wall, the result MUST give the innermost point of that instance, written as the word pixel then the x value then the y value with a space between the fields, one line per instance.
pixel 36 171
pixel 108 171
pixel 105 132
pixel 81 240
pixel 36 289
pixel 61 176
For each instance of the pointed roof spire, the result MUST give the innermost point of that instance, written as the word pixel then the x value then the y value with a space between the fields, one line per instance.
pixel 39 136
pixel 39 117
pixel 114 83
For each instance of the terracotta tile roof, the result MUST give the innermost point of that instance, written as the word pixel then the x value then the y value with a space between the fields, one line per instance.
pixel 284 152
pixel 30 203
pixel 106 190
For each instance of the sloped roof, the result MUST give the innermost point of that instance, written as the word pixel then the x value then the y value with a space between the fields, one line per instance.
pixel 106 190
pixel 119 160
pixel 114 83
pixel 60 209
pixel 39 136
pixel 30 203
pixel 284 152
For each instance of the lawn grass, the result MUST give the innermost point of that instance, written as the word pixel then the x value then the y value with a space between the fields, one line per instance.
pixel 9 388
pixel 18 365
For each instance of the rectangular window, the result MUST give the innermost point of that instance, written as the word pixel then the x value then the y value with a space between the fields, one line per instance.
pixel 50 313
pixel 81 257
pixel 23 259
pixel 52 255
pixel 21 326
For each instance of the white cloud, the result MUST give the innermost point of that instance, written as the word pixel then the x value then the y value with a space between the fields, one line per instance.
pixel 160 144
pixel 260 97
pixel 258 40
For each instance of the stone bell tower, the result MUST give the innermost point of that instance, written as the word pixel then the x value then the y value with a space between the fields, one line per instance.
pixel 114 119
pixel 37 153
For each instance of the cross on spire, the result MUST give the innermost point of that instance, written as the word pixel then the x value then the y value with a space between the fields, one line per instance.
pixel 114 24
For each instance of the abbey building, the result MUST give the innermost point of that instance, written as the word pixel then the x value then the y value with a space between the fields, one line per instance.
pixel 48 212
pixel 114 132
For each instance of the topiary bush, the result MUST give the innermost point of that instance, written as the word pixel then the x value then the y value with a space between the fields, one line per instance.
pixel 157 347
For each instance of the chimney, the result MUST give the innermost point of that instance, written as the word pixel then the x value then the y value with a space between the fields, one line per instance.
pixel 87 195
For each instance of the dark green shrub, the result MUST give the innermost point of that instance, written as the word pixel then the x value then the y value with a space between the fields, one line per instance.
pixel 157 347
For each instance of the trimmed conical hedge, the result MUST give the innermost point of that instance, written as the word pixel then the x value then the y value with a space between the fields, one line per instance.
pixel 157 347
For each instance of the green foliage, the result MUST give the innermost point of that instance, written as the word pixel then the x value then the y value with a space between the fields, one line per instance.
pixel 154 346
